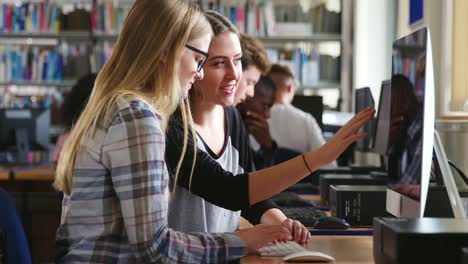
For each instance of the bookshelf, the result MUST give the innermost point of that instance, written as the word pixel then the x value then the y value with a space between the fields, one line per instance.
pixel 313 37
pixel 316 27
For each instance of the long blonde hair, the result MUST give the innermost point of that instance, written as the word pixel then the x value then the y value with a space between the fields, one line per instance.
pixel 144 65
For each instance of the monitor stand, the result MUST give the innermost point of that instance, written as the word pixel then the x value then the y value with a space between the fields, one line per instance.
pixel 447 176
pixel 22 145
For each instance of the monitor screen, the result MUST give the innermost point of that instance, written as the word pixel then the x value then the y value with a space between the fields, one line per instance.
pixel 312 104
pixel 411 120
pixel 363 99
pixel 34 123
pixel 382 126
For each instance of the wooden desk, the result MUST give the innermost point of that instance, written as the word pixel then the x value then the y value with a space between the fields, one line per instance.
pixel 4 174
pixel 39 206
pixel 345 249
pixel 39 173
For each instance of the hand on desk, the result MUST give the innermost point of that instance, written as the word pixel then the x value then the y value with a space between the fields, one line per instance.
pixel 261 235
pixel 299 232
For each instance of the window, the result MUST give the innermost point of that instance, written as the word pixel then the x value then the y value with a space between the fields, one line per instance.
pixel 459 94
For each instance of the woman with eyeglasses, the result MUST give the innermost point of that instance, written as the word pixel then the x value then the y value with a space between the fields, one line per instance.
pixel 112 169
pixel 213 188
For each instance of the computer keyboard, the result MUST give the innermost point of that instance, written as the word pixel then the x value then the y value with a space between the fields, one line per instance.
pixel 290 199
pixel 308 216
pixel 281 249
pixel 293 252
pixel 303 188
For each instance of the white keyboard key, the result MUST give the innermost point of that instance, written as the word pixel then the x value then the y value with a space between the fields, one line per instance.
pixel 281 249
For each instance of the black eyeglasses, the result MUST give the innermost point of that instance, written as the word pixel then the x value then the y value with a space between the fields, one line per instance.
pixel 202 62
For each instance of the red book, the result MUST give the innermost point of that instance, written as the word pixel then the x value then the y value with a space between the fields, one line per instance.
pixel 8 17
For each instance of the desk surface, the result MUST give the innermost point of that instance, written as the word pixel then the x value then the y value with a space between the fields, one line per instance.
pixel 4 174
pixel 345 249
pixel 39 173
pixel 29 173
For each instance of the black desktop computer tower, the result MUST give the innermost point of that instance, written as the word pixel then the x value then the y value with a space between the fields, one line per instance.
pixel 420 240
pixel 326 180
pixel 358 204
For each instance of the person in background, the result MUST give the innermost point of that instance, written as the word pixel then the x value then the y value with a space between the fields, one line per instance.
pixel 255 63
pixel 255 112
pixel 223 176
pixel 73 104
pixel 112 169
pixel 291 127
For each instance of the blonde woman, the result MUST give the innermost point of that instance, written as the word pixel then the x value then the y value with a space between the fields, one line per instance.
pixel 224 181
pixel 112 168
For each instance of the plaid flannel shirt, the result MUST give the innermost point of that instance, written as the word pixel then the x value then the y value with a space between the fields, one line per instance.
pixel 117 211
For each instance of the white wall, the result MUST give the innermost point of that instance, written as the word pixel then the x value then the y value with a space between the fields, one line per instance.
pixel 374 32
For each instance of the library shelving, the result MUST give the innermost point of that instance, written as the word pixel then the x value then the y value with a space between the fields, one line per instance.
pixel 329 75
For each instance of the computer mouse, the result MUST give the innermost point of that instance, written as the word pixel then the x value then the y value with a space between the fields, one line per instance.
pixel 331 222
pixel 308 256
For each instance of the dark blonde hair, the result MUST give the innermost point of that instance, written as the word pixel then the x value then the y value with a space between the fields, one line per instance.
pixel 284 71
pixel 253 53
pixel 144 65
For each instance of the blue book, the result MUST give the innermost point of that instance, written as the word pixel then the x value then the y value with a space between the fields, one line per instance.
pixel 45 66
pixel 233 14
pixel 12 54
pixel 35 17
pixel 52 66
pixel 60 67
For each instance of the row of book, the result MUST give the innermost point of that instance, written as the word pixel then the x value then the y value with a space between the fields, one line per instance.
pixel 54 16
pixel 264 18
pixel 30 17
pixel 309 67
pixel 64 62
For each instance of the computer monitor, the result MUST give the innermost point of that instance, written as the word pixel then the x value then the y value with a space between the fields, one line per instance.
pixel 382 127
pixel 24 130
pixel 362 100
pixel 411 125
pixel 312 104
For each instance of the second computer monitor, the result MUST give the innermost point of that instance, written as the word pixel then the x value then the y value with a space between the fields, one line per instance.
pixel 363 99
pixel 312 104
pixel 382 127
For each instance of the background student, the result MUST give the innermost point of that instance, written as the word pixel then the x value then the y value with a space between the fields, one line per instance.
pixel 211 106
pixel 255 63
pixel 112 169
pixel 73 104
pixel 255 112
pixel 284 117
pixel 221 173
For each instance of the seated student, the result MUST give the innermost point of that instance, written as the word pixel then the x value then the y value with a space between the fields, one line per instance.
pixel 255 112
pixel 291 127
pixel 72 106
pixel 255 63
pixel 112 169
pixel 211 106
pixel 216 170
